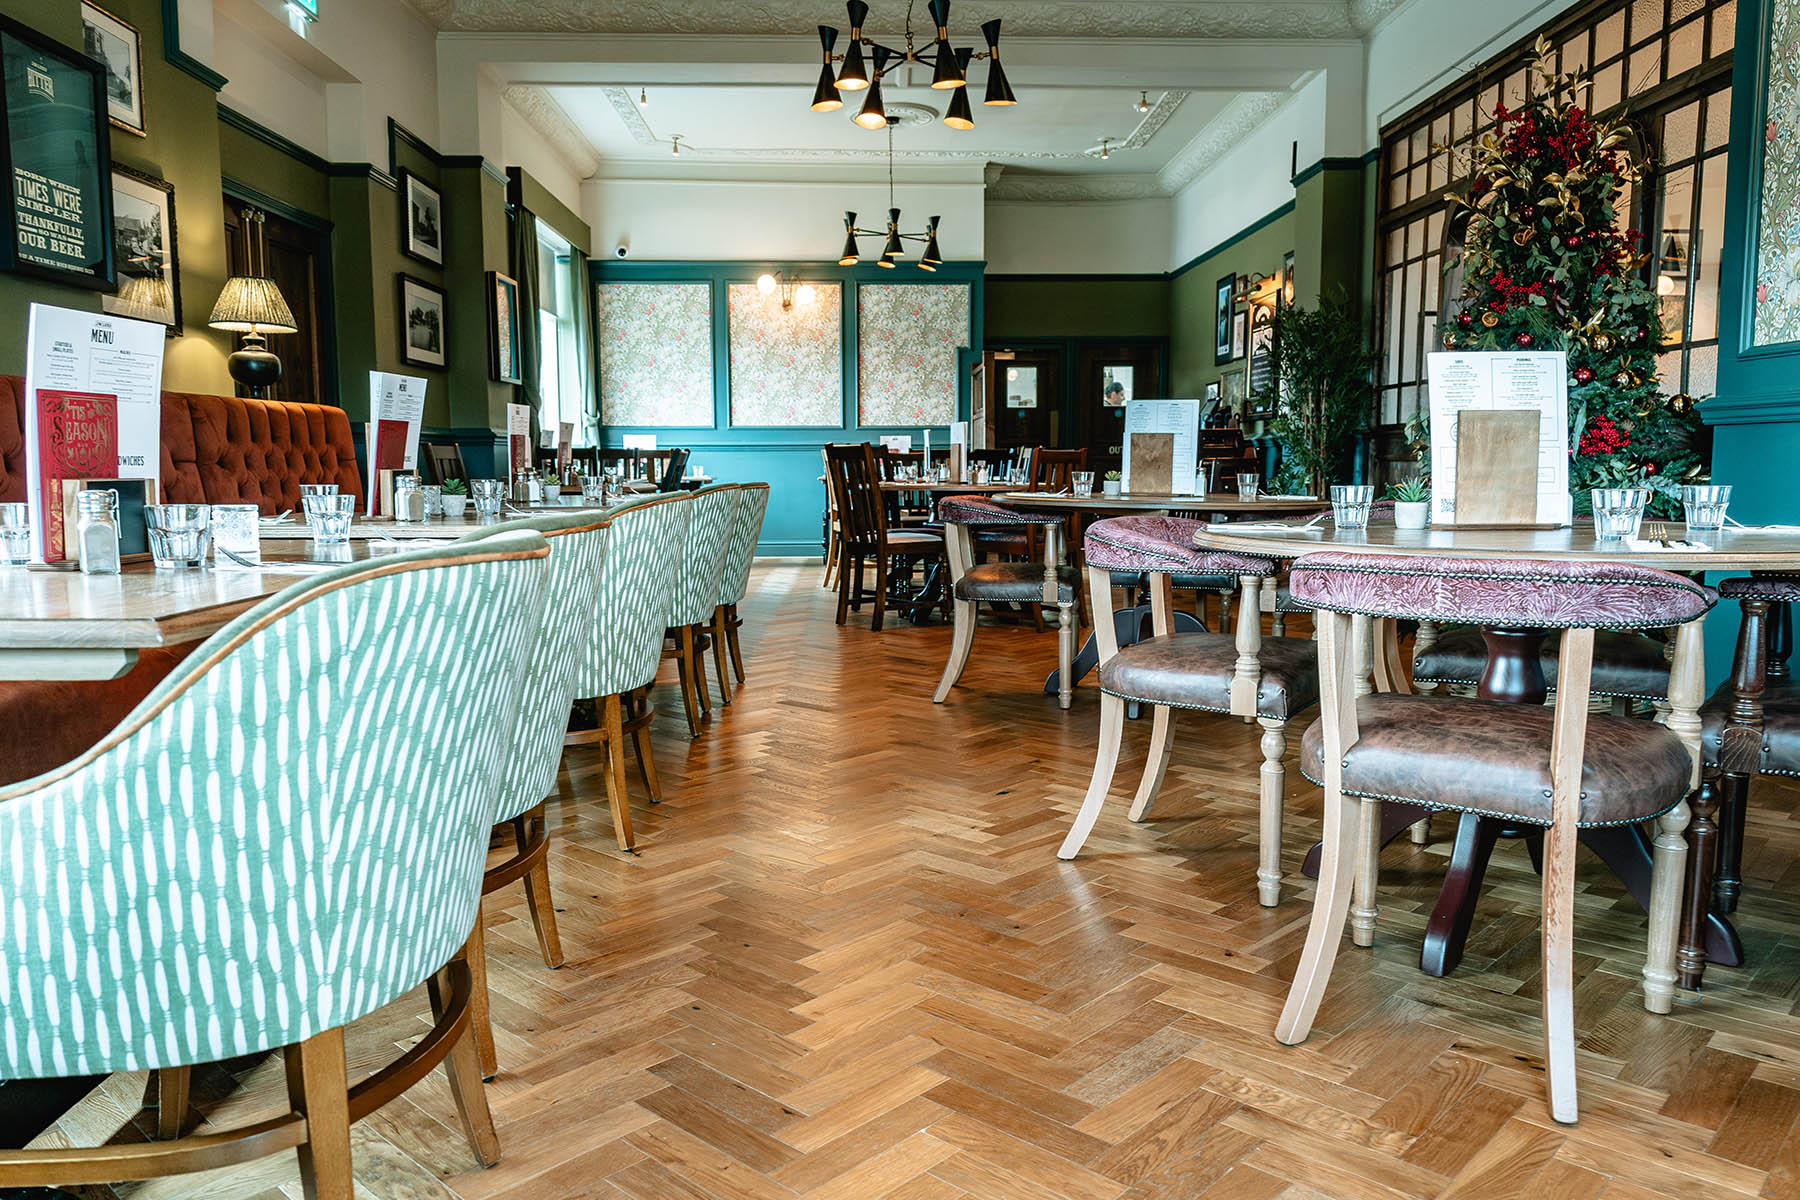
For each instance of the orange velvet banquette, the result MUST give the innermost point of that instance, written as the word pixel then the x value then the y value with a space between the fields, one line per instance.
pixel 215 450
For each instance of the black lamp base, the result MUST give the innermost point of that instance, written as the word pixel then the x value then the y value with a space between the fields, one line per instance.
pixel 253 365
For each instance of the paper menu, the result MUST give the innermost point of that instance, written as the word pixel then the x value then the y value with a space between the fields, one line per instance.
pixel 396 415
pixel 899 443
pixel 96 354
pixel 518 433
pixel 78 438
pixel 565 447
pixel 1534 379
pixel 1180 418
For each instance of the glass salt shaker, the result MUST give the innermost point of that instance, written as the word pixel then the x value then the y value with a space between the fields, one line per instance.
pixel 97 531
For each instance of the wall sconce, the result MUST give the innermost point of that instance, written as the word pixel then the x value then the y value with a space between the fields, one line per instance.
pixel 1252 287
pixel 792 290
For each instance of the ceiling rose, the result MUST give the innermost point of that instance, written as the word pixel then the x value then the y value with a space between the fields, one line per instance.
pixel 904 113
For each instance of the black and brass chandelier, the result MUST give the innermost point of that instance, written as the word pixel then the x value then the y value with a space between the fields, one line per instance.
pixel 867 62
pixel 894 248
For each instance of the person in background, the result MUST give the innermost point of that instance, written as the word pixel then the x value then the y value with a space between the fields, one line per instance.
pixel 1113 396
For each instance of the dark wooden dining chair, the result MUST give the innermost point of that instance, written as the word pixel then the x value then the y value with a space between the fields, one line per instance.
pixel 446 462
pixel 1557 768
pixel 674 469
pixel 868 540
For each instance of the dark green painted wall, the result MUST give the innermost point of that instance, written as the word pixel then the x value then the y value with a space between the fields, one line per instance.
pixel 1026 307
pixel 1193 300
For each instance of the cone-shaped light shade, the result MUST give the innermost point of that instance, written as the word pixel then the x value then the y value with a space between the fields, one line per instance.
pixel 825 97
pixel 957 115
pixel 946 74
pixel 851 254
pixel 873 115
pixel 894 248
pixel 930 260
pixel 853 78
pixel 999 92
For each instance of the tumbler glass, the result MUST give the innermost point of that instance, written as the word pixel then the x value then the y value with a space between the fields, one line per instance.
pixel 1247 486
pixel 489 495
pixel 15 532
pixel 330 518
pixel 1082 482
pixel 1350 504
pixel 1617 512
pixel 179 534
pixel 1706 505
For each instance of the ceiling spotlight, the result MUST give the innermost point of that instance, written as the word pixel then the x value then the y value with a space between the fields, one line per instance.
pixel 1143 102
pixel 643 97
pixel 1101 151
pixel 675 145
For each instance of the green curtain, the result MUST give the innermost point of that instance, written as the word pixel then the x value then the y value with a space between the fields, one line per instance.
pixel 587 362
pixel 525 271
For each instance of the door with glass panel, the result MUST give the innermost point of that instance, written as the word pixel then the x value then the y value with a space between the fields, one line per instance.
pixel 1027 400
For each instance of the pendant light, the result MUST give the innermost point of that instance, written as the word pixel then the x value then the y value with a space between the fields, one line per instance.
pixel 825 97
pixel 894 248
pixel 873 114
pixel 946 71
pixel 851 254
pixel 958 116
pixel 932 259
pixel 866 61
pixel 999 92
pixel 853 78
pixel 891 252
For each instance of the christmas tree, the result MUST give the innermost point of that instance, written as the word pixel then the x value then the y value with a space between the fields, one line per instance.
pixel 1549 265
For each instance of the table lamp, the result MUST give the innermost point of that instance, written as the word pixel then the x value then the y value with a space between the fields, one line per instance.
pixel 252 305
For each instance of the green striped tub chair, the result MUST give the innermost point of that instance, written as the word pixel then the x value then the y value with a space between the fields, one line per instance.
pixel 734 581
pixel 696 593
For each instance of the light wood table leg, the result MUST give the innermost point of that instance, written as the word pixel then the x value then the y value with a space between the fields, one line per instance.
pixel 1668 872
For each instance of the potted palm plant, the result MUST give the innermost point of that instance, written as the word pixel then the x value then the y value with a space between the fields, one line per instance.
pixel 455 499
pixel 1321 389
pixel 1411 499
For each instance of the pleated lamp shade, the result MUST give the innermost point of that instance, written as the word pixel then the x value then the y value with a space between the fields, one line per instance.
pixel 252 304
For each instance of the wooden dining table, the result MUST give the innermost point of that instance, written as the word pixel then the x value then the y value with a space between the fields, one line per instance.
pixel 1513 672
pixel 59 624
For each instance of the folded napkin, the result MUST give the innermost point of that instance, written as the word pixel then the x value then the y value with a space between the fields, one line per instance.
pixel 1666 545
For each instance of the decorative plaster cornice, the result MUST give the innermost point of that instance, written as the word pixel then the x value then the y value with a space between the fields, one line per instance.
pixel 1074 188
pixel 1305 19
pixel 545 115
pixel 1243 113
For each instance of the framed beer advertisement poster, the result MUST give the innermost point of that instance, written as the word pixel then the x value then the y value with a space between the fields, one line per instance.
pixel 56 150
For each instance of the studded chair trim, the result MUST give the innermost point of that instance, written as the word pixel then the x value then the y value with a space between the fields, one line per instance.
pixel 753 506
pixel 1157 543
pixel 979 510
pixel 288 833
pixel 631 612
pixel 577 548
pixel 1536 593
pixel 1762 586
pixel 703 554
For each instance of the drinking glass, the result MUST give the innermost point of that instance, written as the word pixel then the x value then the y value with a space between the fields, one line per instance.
pixel 1082 482
pixel 489 495
pixel 179 535
pixel 1247 485
pixel 593 489
pixel 1350 505
pixel 611 477
pixel 1617 512
pixel 434 499
pixel 329 517
pixel 15 532
pixel 1705 505
pixel 315 489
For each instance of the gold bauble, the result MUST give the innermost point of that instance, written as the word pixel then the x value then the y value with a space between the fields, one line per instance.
pixel 1490 319
pixel 1625 379
pixel 1602 342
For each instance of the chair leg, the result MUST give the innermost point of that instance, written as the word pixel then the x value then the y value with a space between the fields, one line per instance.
pixel 463 1066
pixel 172 1101
pixel 318 1086
pixel 843 585
pixel 537 890
pixel 684 670
pixel 719 654
pixel 1162 745
pixel 616 796
pixel 481 1024
pixel 962 640
pixel 1559 969
pixel 646 754
pixel 883 566
pixel 1363 910
pixel 1106 761
pixel 1734 802
pixel 732 621
pixel 1331 905
pixel 1273 777
pixel 1065 656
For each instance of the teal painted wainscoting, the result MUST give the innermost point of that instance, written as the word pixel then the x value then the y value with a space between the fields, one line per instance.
pixel 787 457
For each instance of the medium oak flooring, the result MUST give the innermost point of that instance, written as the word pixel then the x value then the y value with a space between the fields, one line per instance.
pixel 847 964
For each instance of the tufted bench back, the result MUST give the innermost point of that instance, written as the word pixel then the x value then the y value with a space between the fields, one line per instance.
pixel 219 449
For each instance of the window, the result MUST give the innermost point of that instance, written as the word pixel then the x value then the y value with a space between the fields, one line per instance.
pixel 1664 64
pixel 562 376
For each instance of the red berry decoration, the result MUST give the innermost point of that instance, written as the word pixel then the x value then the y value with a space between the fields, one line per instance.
pixel 1465 319
pixel 1523 339
pixel 1584 375
pixel 1573 241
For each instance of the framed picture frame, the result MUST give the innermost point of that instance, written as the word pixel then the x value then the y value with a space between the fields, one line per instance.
pixel 1287 279
pixel 1232 387
pixel 503 328
pixel 422 326
pixel 421 219
pixel 115 45
pixel 56 151
pixel 1262 351
pixel 1222 310
pixel 1240 335
pixel 146 249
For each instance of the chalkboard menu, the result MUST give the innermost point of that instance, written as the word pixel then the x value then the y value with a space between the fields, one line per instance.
pixel 57 156
pixel 1262 353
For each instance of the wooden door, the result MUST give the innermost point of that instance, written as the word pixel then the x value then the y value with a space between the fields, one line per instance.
pixel 295 256
pixel 1027 400
pixel 1106 377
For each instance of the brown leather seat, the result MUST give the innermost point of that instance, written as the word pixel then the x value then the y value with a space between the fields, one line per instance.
pixel 1194 670
pixel 1020 582
pixel 915 541
pixel 1626 664
pixel 1492 758
pixel 1781 728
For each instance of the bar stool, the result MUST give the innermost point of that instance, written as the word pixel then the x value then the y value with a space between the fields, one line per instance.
pixel 1559 767
pixel 1268 680
pixel 1050 583
pixel 695 596
pixel 332 753
pixel 734 582
pixel 631 617
pixel 577 543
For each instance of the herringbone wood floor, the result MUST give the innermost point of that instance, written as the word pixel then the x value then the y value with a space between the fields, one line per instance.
pixel 847 964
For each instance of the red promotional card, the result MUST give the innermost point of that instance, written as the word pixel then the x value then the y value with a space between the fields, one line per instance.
pixel 390 445
pixel 78 438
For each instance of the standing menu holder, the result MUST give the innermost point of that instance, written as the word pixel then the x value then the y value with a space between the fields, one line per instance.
pixel 1496 469
pixel 1153 462
pixel 1162 446
pixel 1513 407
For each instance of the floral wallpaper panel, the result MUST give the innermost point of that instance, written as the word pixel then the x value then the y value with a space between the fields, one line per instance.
pixel 1777 305
pixel 910 334
pixel 656 358
pixel 787 365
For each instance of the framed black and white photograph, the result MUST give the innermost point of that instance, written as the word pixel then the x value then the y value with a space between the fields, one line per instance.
pixel 1287 279
pixel 421 219
pixel 503 327
pixel 422 323
pixel 1262 350
pixel 144 247
pixel 114 45
pixel 1222 320
pixel 56 144
pixel 1240 335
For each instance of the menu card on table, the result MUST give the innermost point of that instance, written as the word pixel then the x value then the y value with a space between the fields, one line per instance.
pixel 518 436
pixel 565 447
pixel 396 414
pixel 93 387
pixel 1501 381
pixel 1170 445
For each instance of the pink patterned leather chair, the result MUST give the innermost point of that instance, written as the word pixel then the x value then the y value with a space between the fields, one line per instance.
pixel 1559 767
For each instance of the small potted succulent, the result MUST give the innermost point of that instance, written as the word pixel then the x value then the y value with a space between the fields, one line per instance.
pixel 1411 499
pixel 552 483
pixel 455 498
pixel 1109 486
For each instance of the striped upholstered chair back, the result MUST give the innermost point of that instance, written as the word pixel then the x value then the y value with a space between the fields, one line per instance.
pixel 637 580
pixel 753 506
pixel 703 554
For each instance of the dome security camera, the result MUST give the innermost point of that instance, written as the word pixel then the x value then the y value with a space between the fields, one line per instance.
pixel 622 250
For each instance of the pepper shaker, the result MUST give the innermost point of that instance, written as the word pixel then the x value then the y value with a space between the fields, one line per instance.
pixel 97 531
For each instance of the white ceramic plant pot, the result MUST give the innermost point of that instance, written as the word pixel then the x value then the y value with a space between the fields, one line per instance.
pixel 551 492
pixel 1109 487
pixel 454 505
pixel 1411 514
